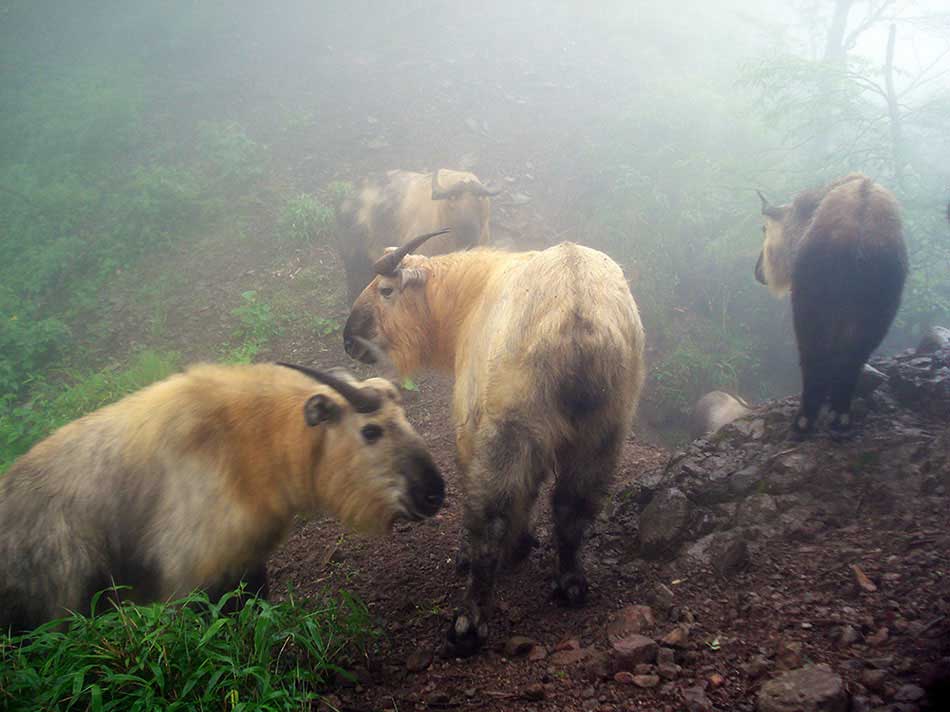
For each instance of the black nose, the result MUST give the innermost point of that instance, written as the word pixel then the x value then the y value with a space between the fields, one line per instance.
pixel 428 487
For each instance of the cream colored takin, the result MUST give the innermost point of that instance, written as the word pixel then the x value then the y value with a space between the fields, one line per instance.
pixel 547 352
pixel 191 483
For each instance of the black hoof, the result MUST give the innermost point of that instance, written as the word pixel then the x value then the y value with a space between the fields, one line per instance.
pixel 570 589
pixel 802 427
pixel 463 564
pixel 465 636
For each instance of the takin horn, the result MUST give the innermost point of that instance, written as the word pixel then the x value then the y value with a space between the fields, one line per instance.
pixel 765 201
pixel 463 186
pixel 363 400
pixel 387 264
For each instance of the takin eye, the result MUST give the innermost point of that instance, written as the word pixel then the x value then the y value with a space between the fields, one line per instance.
pixel 386 291
pixel 371 433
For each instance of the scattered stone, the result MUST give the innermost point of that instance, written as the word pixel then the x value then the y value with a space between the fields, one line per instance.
pixel 848 635
pixel 630 620
pixel 663 522
pixel 419 660
pixel 756 667
pixel 757 510
pixel 909 693
pixel 635 649
pixel 534 692
pixel 439 698
pixel 869 381
pixel 644 669
pixel 676 638
pixel 696 700
pixel 624 677
pixel 662 597
pixel 665 656
pixel 864 583
pixel 596 666
pixel 567 644
pixel 936 338
pixel 788 655
pixel 646 681
pixel 668 672
pixel 874 679
pixel 716 680
pixel 878 638
pixel 538 652
pixel 813 688
pixel 568 657
pixel 519 646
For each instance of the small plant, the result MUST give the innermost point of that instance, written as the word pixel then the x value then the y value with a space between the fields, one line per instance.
pixel 258 323
pixel 305 219
pixel 184 655
pixel 325 326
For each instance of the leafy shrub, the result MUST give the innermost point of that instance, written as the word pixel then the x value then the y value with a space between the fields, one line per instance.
pixel 53 406
pixel 185 655
pixel 257 326
pixel 305 219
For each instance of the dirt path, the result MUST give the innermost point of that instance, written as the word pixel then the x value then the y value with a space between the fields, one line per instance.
pixel 785 610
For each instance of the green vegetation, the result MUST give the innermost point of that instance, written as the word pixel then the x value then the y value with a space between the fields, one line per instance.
pixel 258 325
pixel 186 655
pixel 54 405
pixel 305 219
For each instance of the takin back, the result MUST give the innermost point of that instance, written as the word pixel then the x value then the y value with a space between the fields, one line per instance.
pixel 547 353
pixel 191 482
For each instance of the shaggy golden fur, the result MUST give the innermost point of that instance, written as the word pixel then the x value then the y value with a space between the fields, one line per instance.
pixel 839 250
pixel 547 352
pixel 192 482
pixel 390 210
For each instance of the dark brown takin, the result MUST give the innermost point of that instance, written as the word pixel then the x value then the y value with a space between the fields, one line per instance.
pixel 840 251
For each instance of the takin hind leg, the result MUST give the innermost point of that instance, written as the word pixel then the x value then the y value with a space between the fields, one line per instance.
pixel 583 476
pixel 501 488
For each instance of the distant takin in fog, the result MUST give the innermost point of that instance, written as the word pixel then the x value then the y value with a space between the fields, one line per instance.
pixel 391 209
pixel 192 482
pixel 547 352
pixel 840 251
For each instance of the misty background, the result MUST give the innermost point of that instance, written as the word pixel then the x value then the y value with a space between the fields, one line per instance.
pixel 168 170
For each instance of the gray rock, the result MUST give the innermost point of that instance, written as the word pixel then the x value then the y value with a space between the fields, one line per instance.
pixel 725 552
pixel 634 650
pixel 813 688
pixel 663 523
pixel 757 510
pixel 869 381
pixel 909 693
pixel 936 338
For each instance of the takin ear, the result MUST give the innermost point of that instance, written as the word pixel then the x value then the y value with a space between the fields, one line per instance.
pixel 412 276
pixel 320 409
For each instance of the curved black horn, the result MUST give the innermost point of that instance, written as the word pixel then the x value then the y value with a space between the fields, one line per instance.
pixel 765 202
pixel 388 263
pixel 363 400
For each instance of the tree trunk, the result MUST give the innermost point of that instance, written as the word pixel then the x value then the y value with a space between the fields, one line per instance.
pixel 893 110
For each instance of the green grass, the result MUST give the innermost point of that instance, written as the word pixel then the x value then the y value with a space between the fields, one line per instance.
pixel 187 655
pixel 52 406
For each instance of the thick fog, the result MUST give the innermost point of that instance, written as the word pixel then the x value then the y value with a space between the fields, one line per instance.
pixel 130 132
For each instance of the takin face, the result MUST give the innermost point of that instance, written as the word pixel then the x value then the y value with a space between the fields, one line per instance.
pixel 192 482
pixel 391 315
pixel 391 209
pixel 839 250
